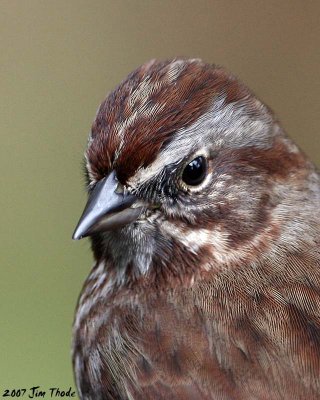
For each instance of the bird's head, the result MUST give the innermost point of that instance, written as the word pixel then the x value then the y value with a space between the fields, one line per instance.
pixel 186 169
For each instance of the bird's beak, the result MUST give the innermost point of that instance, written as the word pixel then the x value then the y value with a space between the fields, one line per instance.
pixel 107 208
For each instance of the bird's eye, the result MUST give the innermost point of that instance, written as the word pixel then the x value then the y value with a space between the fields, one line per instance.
pixel 195 172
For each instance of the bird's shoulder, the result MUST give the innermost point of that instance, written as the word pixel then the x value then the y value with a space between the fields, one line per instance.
pixel 240 333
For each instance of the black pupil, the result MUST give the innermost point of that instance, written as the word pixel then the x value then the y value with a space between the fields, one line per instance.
pixel 195 172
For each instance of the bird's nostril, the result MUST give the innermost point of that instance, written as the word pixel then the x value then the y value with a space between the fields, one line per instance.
pixel 120 188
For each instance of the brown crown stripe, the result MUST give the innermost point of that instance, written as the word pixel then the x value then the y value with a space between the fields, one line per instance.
pixel 176 103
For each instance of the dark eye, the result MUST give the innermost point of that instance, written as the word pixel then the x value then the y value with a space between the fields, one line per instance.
pixel 195 172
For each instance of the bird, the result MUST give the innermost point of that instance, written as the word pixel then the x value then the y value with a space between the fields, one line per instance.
pixel 204 222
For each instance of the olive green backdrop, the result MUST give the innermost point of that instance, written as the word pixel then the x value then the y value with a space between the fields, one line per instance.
pixel 58 59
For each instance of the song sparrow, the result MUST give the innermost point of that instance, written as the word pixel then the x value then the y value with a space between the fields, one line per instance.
pixel 204 220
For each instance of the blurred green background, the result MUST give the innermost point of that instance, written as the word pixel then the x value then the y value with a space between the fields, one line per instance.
pixel 58 60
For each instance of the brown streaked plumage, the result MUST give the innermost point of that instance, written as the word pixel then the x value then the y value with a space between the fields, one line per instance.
pixel 204 219
pixel 153 100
